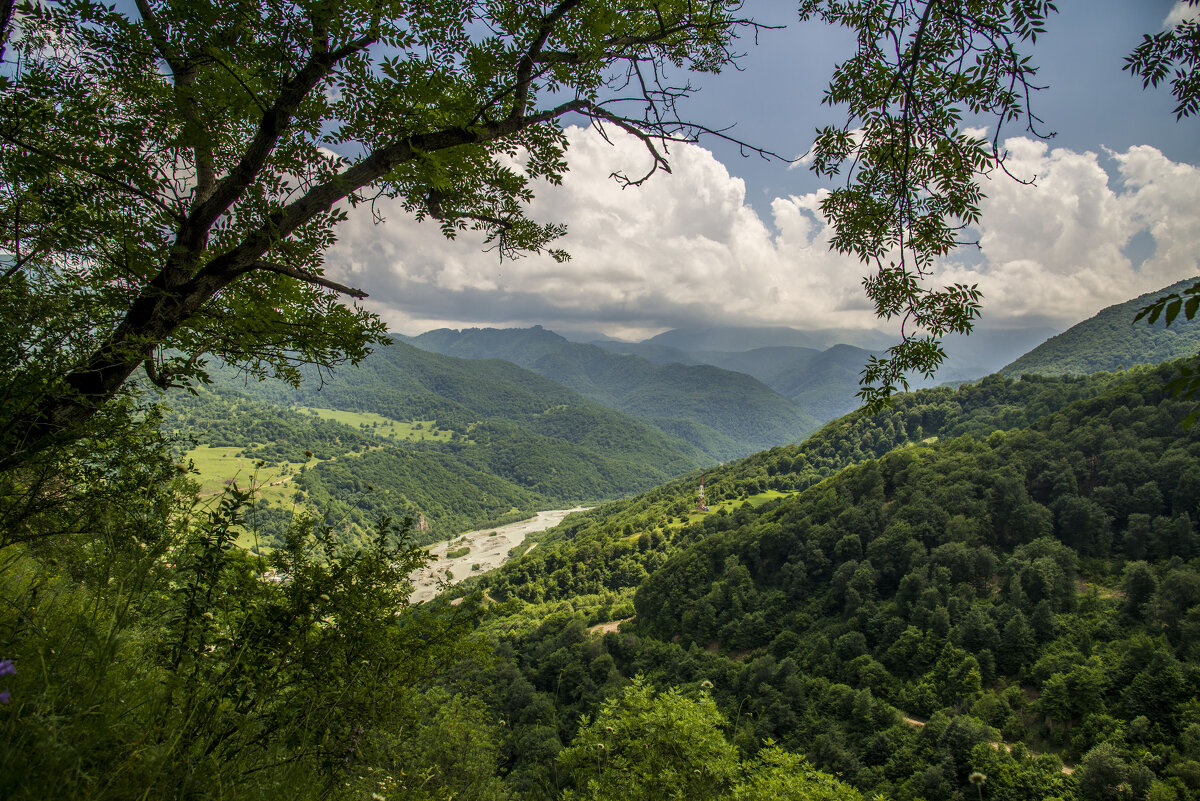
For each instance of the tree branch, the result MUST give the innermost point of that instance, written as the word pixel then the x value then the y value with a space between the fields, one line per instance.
pixel 306 277
pixel 274 122
pixel 20 262
pixel 117 182
pixel 659 162
pixel 525 67
pixel 158 36
pixel 322 197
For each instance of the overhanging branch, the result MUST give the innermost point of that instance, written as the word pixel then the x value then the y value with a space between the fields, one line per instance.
pixel 306 277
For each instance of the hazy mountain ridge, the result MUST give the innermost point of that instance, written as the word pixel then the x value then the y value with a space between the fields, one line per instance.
pixel 736 339
pixel 820 370
pixel 822 382
pixel 726 414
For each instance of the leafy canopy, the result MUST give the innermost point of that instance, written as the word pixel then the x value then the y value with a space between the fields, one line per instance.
pixel 173 177
pixel 921 74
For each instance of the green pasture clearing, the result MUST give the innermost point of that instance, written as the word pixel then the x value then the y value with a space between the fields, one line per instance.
pixel 414 430
pixel 762 497
pixel 731 504
pixel 272 482
pixel 218 466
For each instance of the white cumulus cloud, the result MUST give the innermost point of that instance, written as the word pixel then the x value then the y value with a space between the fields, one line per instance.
pixel 687 248
pixel 1180 12
pixel 1057 249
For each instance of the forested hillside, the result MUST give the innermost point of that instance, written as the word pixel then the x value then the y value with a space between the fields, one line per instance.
pixel 451 443
pixel 1111 340
pixel 725 414
pixel 1001 581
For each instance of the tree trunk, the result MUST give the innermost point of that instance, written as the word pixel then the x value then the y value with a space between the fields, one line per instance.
pixel 162 307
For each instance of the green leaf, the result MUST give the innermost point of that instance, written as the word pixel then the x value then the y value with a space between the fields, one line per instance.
pixel 1173 311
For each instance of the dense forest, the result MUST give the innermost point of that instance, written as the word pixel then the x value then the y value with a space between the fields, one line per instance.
pixel 1012 601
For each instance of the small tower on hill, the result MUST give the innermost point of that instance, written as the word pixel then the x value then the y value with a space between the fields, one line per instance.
pixel 701 503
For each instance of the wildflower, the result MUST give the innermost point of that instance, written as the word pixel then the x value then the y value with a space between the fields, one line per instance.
pixel 976 778
pixel 7 668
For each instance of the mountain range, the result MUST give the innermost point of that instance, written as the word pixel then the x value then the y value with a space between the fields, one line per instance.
pixel 462 442
pixel 726 414
pixel 818 371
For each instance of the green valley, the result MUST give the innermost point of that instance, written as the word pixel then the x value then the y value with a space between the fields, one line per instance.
pixel 412 430
pixel 453 444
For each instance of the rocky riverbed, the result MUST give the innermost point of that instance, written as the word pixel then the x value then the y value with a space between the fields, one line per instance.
pixel 487 549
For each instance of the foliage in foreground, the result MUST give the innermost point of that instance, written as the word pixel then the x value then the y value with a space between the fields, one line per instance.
pixel 157 659
pixel 644 745
pixel 154 658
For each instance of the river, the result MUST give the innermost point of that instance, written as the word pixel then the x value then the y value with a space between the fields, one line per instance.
pixel 489 549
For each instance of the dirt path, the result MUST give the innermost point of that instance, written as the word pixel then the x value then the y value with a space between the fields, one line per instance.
pixel 489 549
pixel 609 627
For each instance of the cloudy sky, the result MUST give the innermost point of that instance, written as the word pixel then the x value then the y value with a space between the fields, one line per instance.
pixel 729 240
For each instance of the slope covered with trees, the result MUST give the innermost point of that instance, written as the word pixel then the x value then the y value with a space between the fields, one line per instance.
pixel 724 413
pixel 977 596
pixel 1111 340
